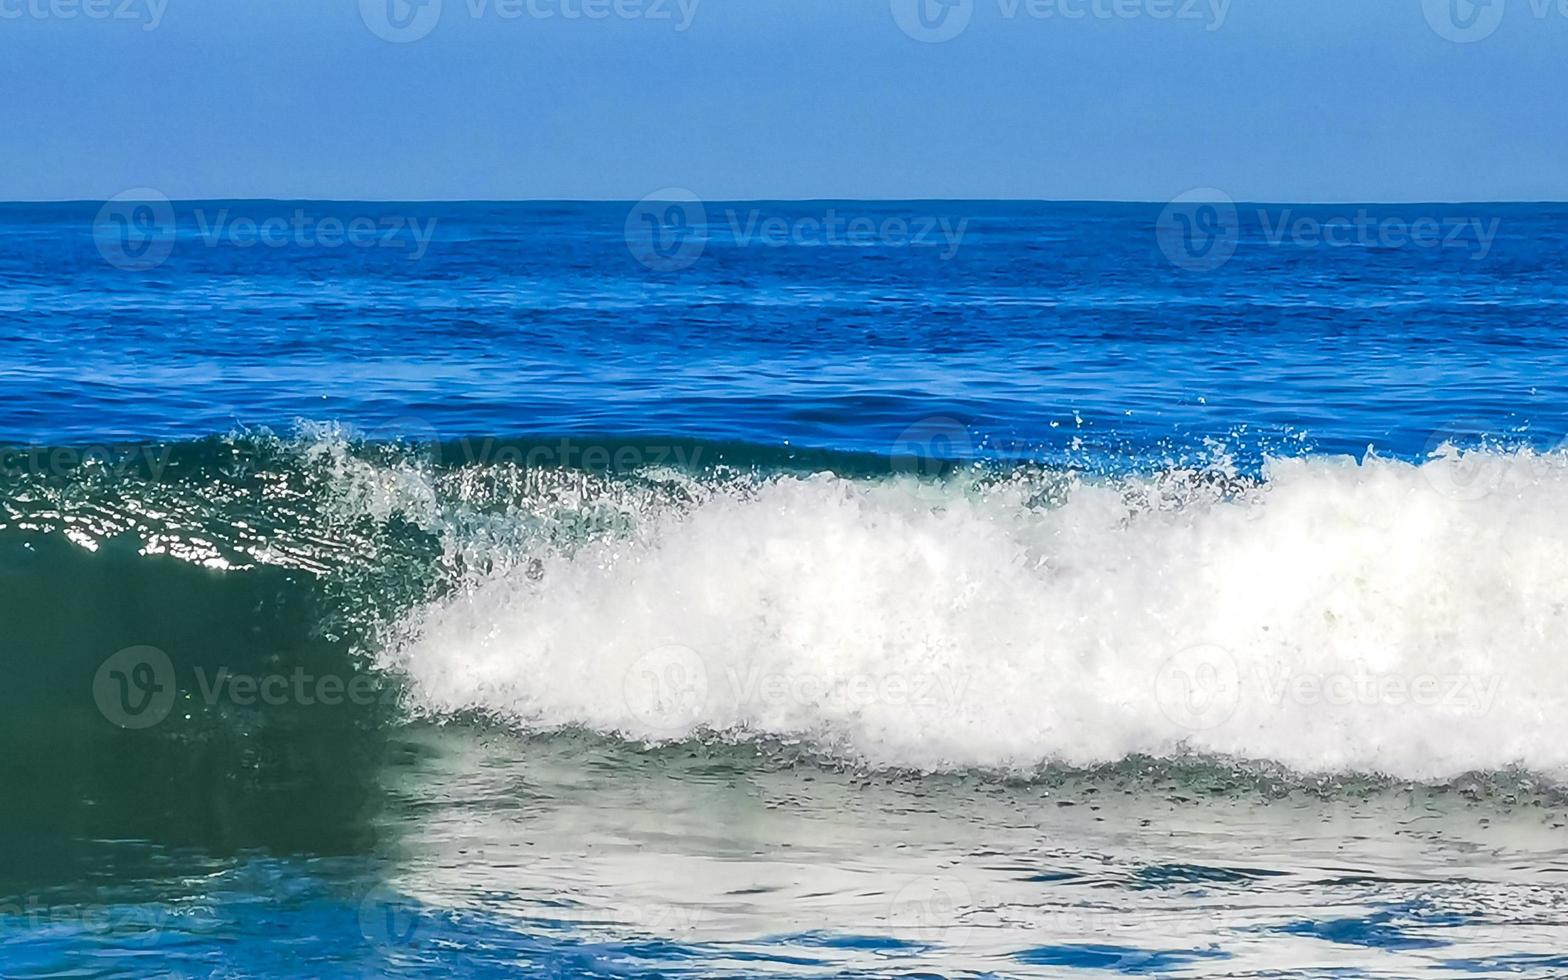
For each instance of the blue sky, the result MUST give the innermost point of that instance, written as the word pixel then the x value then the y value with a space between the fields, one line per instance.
pixel 1053 99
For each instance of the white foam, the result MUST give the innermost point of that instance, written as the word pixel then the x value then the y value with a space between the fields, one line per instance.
pixel 1374 616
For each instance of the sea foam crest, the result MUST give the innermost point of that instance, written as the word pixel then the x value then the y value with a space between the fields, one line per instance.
pixel 1374 616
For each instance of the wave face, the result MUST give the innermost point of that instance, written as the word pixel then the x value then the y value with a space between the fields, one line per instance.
pixel 1326 614
pixel 1376 616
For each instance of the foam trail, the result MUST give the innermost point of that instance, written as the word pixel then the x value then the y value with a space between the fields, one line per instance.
pixel 1374 616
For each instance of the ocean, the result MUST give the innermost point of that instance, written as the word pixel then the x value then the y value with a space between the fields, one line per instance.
pixel 783 589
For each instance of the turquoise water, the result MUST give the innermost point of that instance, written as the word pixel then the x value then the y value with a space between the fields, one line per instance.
pixel 1034 602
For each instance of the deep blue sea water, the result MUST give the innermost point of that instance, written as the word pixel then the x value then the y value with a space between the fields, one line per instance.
pixel 821 589
pixel 524 318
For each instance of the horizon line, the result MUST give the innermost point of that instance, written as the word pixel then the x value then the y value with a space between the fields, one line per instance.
pixel 782 200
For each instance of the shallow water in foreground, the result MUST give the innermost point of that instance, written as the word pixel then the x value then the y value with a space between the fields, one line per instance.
pixel 574 856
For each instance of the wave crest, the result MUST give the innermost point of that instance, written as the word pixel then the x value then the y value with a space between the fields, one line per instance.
pixel 1375 616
